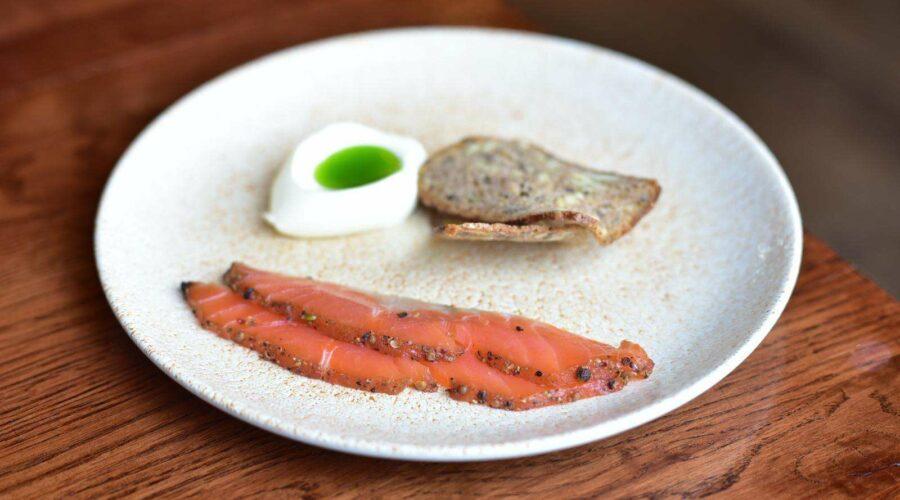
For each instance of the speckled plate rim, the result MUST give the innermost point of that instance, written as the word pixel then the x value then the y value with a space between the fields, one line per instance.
pixel 522 447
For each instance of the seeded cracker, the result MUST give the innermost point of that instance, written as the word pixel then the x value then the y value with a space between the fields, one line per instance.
pixel 511 190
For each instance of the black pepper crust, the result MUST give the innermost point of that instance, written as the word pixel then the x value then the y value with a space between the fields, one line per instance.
pixel 278 355
pixel 552 396
pixel 629 361
pixel 382 343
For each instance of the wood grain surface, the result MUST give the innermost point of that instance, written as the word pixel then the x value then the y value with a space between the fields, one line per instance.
pixel 814 411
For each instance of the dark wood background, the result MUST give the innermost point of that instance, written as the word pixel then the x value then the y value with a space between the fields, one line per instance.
pixel 814 411
pixel 818 80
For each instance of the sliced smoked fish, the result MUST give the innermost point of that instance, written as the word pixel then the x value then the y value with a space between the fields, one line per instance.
pixel 303 350
pixel 394 326
pixel 299 347
pixel 545 354
pixel 536 351
pixel 468 379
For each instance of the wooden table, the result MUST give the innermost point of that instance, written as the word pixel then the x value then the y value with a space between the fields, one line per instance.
pixel 813 411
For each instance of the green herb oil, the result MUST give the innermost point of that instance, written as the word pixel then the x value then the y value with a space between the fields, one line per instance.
pixel 356 166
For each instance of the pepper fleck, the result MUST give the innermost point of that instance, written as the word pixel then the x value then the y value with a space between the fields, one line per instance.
pixel 248 293
pixel 402 314
pixel 539 373
pixel 482 396
pixel 583 374
pixel 611 384
pixel 519 328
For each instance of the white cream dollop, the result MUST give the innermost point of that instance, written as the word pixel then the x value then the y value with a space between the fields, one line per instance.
pixel 300 206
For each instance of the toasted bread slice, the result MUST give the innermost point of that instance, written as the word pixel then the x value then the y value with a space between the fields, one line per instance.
pixel 492 180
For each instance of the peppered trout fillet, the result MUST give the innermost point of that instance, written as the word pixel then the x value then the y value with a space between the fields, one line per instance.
pixel 494 184
pixel 300 348
pixel 530 350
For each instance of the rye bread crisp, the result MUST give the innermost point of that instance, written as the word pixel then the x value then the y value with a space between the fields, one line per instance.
pixel 491 180
pixel 498 231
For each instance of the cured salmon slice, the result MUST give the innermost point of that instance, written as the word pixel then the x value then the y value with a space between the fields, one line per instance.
pixel 535 351
pixel 545 354
pixel 468 379
pixel 395 326
pixel 299 347
pixel 476 375
pixel 303 350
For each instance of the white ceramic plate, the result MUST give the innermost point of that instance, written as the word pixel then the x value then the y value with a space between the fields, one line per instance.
pixel 698 283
